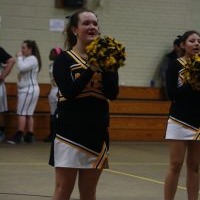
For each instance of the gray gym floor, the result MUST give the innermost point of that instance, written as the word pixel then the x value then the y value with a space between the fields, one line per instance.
pixel 137 171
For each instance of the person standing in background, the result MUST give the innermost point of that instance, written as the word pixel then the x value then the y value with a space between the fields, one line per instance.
pixel 168 60
pixel 6 64
pixel 53 94
pixel 28 64
pixel 184 121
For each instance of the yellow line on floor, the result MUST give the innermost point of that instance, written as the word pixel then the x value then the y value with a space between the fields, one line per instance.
pixel 140 177
pixel 24 163
pixel 137 163
pixel 108 170
pixel 111 163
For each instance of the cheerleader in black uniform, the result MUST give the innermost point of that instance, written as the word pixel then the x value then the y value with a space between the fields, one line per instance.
pixel 82 141
pixel 183 129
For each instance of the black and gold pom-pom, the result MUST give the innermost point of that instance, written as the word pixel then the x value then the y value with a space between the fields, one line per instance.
pixel 106 53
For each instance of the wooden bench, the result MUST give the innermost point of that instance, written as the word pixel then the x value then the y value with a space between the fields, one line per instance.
pixel 137 128
pixel 140 93
pixel 117 107
pixel 136 107
pixel 139 113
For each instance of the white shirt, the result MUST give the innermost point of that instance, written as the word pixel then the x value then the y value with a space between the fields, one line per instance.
pixel 28 72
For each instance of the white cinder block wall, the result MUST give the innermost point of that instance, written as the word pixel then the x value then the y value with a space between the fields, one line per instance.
pixel 146 27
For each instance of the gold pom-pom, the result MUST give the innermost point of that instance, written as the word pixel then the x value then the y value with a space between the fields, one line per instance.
pixel 191 72
pixel 106 53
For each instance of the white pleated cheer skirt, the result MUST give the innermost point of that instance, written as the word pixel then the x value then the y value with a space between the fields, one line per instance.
pixel 178 130
pixel 69 155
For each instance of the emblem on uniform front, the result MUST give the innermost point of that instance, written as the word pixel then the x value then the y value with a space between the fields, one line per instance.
pixel 77 75
pixel 96 81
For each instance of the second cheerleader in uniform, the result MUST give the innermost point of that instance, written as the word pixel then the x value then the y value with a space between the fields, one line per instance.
pixel 183 128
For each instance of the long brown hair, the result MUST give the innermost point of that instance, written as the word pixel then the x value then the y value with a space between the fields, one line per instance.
pixel 73 20
pixel 31 44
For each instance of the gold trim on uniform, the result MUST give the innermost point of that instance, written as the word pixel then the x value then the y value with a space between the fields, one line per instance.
pixel 78 59
pixel 102 158
pixel 181 74
pixel 197 136
pixel 181 77
pixel 182 61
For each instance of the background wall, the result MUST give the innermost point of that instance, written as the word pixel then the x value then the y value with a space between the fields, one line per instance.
pixel 146 27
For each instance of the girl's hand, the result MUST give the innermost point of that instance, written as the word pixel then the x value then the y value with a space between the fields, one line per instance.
pixel 19 54
pixel 96 69
pixel 197 86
